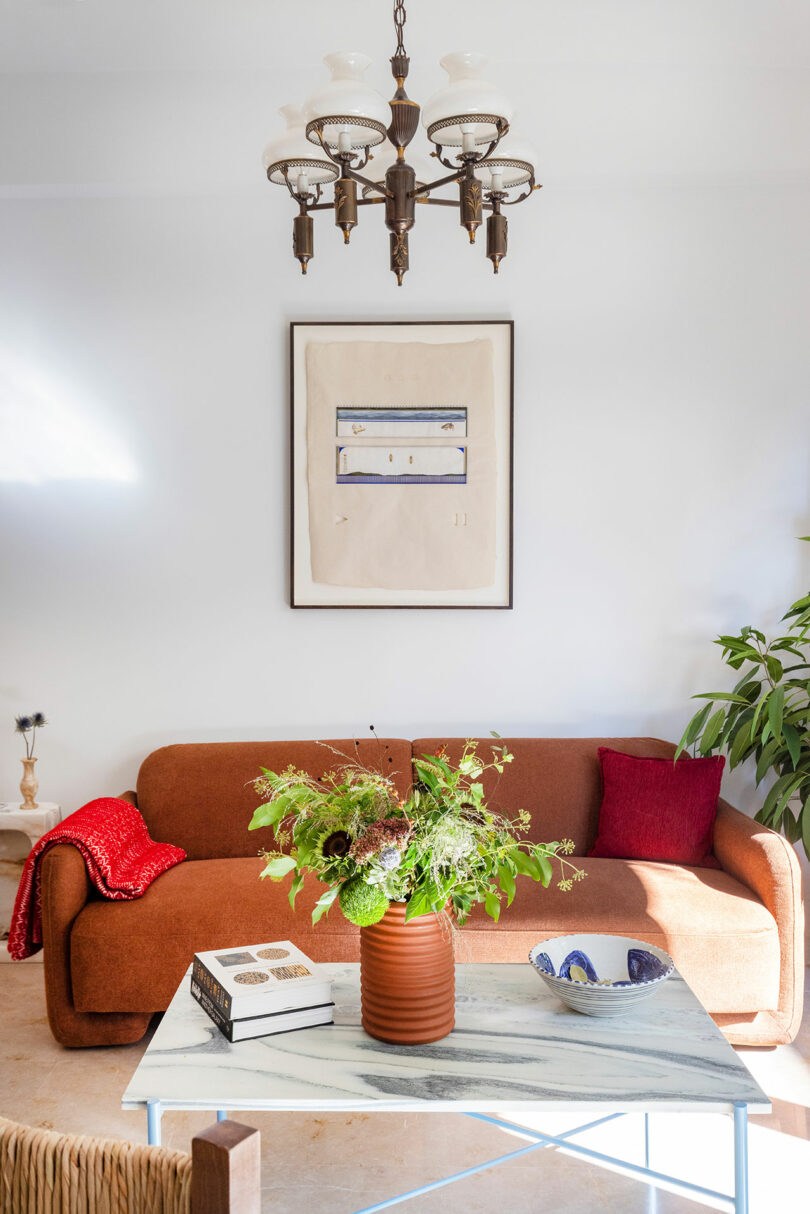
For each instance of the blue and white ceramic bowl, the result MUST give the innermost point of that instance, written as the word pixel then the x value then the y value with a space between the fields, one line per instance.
pixel 601 975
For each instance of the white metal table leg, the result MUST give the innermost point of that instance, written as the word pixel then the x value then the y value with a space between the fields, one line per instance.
pixel 652 1191
pixel 153 1115
pixel 740 1159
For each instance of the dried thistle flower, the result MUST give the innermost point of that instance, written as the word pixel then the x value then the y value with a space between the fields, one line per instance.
pixel 30 723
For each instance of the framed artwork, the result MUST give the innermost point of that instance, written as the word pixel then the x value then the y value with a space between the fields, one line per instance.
pixel 401 464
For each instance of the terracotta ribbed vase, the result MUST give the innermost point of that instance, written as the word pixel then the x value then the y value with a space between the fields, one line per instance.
pixel 407 978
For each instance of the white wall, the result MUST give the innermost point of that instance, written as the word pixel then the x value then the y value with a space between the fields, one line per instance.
pixel 660 287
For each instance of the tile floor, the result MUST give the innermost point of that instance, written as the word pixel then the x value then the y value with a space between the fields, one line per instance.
pixel 340 1163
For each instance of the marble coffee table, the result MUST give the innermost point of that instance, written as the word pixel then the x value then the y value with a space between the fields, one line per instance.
pixel 515 1049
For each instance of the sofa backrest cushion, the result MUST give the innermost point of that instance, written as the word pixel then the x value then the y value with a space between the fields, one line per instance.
pixel 556 779
pixel 200 796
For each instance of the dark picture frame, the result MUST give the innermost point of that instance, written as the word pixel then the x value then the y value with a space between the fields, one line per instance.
pixel 305 591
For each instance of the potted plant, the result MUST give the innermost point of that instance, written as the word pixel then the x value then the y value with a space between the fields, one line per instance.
pixel 765 718
pixel 406 871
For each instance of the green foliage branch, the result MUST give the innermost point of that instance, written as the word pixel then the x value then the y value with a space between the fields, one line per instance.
pixel 765 718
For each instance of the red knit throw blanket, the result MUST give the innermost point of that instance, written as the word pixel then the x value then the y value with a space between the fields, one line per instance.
pixel 122 862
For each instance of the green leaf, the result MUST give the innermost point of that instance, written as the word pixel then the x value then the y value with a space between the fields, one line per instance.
pixel 546 871
pixel 774 667
pixel 526 864
pixel 776 708
pixel 712 730
pixel 492 905
pixel 790 827
pixel 693 729
pixel 793 742
pixel 720 695
pixel 507 882
pixel 780 794
pixel 764 763
pixel 421 902
pixel 267 815
pixel 787 645
pixel 741 744
pixel 295 888
pixel 278 867
pixel 748 688
pixel 323 903
pixel 757 713
pixel 781 804
pixel 439 762
pixel 805 820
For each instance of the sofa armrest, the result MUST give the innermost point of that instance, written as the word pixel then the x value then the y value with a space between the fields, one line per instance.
pixel 65 890
pixel 766 863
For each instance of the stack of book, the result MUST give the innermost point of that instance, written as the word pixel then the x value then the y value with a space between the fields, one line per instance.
pixel 261 989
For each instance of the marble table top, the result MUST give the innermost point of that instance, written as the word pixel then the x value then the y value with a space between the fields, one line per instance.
pixel 515 1048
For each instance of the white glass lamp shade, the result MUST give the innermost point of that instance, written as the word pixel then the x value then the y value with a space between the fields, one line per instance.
pixel 351 114
pixel 379 165
pixel 513 163
pixel 292 151
pixel 467 106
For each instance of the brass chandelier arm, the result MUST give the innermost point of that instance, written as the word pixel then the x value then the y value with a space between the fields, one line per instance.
pixel 329 206
pixel 449 202
pixel 301 199
pixel 372 185
pixel 502 130
pixel 344 167
pixel 531 187
pixel 434 185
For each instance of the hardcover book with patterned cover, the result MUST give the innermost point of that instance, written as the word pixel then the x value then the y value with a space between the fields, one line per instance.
pixel 263 1026
pixel 259 979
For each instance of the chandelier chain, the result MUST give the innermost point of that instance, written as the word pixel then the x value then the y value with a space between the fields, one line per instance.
pixel 399 22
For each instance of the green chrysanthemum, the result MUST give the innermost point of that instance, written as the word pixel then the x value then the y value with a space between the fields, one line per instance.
pixel 362 904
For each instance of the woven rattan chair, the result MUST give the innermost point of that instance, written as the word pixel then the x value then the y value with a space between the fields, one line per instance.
pixel 44 1172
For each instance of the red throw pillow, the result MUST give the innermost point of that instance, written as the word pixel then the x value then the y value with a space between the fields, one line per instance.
pixel 654 809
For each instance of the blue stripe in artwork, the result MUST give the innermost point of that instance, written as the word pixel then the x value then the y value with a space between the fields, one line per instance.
pixel 360 479
pixel 401 415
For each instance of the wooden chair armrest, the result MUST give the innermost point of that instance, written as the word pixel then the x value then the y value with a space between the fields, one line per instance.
pixel 225 1170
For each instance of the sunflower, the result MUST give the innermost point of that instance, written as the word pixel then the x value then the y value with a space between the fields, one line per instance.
pixel 335 845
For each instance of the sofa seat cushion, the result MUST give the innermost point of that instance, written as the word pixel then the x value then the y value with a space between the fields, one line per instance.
pixel 133 962
pixel 722 938
pixel 131 956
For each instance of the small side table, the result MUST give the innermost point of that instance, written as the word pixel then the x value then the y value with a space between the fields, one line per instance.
pixel 33 823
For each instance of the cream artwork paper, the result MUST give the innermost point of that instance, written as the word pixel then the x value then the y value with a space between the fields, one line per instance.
pixel 410 532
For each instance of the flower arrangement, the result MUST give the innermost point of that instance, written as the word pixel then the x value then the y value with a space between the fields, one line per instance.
pixel 441 847
pixel 30 724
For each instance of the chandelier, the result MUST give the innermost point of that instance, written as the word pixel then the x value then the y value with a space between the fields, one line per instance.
pixel 330 140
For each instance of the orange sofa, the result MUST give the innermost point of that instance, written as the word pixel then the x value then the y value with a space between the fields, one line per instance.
pixel 736 933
